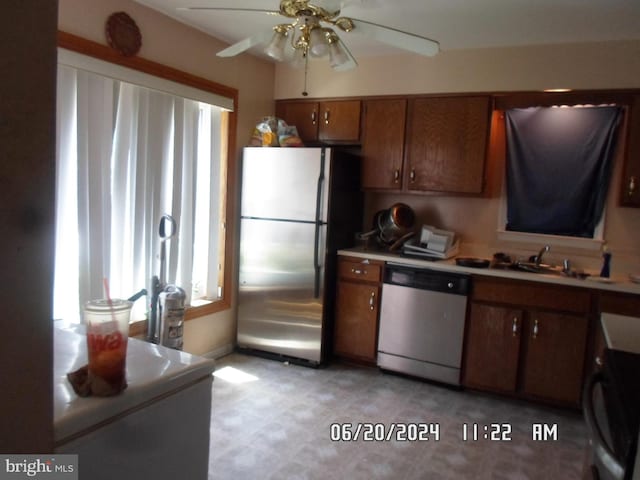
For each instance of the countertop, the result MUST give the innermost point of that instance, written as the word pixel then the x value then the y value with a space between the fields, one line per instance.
pixel 153 371
pixel 616 283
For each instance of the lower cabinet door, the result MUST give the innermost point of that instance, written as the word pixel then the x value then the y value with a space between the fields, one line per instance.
pixel 356 320
pixel 492 348
pixel 555 351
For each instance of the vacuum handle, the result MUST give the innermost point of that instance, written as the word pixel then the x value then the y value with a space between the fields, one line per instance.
pixel 135 297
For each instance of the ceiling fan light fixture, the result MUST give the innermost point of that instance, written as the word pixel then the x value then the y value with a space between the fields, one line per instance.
pixel 345 24
pixel 306 35
pixel 276 46
pixel 318 41
pixel 337 56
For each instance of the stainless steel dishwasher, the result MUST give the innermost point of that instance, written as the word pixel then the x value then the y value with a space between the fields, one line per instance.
pixel 422 317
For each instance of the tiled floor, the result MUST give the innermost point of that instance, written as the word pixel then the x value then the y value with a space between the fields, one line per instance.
pixel 277 425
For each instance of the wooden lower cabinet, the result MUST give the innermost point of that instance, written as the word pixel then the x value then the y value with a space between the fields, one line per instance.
pixel 526 351
pixel 619 303
pixel 492 350
pixel 553 360
pixel 357 307
pixel 357 321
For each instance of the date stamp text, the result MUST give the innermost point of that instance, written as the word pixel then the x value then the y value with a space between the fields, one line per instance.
pixel 382 432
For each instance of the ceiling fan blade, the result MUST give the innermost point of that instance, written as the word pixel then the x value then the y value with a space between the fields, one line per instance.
pixel 397 38
pixel 245 44
pixel 333 5
pixel 231 9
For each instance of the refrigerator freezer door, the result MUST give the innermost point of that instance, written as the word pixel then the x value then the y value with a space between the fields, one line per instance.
pixel 281 288
pixel 283 183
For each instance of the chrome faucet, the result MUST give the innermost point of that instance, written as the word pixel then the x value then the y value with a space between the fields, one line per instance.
pixel 542 251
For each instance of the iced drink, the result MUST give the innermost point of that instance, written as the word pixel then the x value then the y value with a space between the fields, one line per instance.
pixel 107 334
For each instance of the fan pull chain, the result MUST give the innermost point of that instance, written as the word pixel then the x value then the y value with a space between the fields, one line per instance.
pixel 306 68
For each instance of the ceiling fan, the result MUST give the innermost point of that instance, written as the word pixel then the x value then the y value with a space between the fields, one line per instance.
pixel 311 33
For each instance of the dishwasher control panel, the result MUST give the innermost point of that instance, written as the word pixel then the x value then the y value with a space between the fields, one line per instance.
pixel 427 279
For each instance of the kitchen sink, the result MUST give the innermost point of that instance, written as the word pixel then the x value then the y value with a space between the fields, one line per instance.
pixel 533 267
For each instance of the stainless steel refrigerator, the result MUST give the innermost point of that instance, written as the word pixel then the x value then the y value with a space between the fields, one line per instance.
pixel 298 207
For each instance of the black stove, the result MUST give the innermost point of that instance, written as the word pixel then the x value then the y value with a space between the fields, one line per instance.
pixel 621 394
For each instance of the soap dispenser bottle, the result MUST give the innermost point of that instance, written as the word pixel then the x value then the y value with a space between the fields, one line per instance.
pixel 606 262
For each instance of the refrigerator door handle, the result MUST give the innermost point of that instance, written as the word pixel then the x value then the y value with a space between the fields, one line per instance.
pixel 316 244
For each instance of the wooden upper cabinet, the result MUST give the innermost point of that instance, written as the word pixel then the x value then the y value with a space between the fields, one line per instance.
pixel 302 115
pixel 330 121
pixel 340 121
pixel 630 187
pixel 383 143
pixel 446 144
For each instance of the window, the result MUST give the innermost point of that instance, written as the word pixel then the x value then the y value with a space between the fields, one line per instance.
pixel 127 155
pixel 559 165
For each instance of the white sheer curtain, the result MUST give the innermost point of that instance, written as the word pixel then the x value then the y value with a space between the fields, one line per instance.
pixel 126 156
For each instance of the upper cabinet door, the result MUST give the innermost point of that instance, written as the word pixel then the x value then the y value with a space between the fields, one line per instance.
pixel 446 144
pixel 383 143
pixel 302 115
pixel 325 122
pixel 340 121
pixel 630 188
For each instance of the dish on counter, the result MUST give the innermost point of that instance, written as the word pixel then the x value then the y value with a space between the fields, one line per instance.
pixel 473 262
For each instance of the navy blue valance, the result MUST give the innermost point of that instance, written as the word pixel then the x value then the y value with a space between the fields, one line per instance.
pixel 559 164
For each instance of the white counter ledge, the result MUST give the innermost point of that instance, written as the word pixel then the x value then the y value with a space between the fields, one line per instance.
pixel 153 372
pixel 617 284
pixel 621 332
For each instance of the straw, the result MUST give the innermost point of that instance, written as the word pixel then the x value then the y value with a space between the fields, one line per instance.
pixel 105 282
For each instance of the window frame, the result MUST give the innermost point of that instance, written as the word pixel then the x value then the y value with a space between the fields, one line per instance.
pixel 90 48
pixel 594 243
pixel 507 100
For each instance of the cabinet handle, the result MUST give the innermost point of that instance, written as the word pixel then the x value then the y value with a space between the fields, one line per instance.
pixel 633 184
pixel 535 328
pixel 598 361
pixel 514 329
pixel 396 175
pixel 314 116
pixel 326 117
pixel 412 175
pixel 372 301
pixel 357 271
